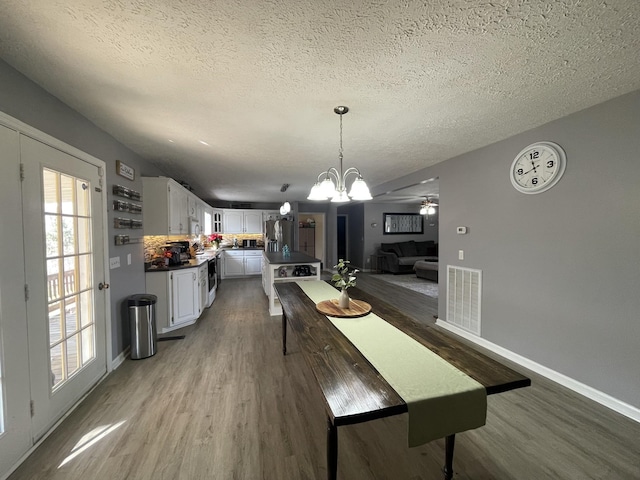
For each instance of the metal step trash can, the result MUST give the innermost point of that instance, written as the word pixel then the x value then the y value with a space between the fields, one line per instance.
pixel 142 321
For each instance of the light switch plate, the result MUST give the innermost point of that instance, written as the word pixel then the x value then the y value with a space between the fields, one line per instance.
pixel 128 259
pixel 460 254
pixel 114 262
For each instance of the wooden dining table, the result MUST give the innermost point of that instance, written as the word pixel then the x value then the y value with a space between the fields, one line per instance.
pixel 353 390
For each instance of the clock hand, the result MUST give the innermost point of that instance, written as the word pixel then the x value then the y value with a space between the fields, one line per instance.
pixel 534 169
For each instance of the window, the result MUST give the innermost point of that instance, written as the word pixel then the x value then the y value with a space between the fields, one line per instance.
pixel 69 262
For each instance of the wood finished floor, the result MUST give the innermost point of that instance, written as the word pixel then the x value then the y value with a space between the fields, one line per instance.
pixel 225 404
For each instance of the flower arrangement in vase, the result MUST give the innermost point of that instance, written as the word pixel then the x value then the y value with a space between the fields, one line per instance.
pixel 215 238
pixel 345 278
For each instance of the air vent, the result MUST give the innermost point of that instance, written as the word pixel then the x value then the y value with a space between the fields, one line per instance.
pixel 464 291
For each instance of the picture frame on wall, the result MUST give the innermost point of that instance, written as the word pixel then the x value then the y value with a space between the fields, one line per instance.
pixel 402 223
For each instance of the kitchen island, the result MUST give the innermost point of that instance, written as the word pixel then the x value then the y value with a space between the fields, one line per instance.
pixel 277 267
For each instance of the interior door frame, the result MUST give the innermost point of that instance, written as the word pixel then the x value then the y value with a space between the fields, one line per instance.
pixel 47 139
pixel 27 130
pixel 345 217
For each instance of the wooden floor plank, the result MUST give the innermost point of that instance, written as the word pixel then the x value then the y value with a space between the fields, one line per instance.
pixel 225 404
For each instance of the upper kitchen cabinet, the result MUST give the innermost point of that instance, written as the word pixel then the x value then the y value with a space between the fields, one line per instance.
pixel 167 206
pixel 193 207
pixel 217 221
pixel 242 221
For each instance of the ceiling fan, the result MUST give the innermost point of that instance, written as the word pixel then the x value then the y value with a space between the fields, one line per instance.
pixel 428 207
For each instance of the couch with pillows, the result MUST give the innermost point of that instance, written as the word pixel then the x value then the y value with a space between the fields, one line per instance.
pixel 400 257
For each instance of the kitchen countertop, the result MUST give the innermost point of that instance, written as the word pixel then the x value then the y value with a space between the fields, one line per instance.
pixel 193 263
pixel 296 258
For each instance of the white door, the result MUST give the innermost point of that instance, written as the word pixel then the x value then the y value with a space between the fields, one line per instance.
pixel 233 222
pixel 64 263
pixel 177 209
pixel 15 419
pixel 253 222
pixel 252 265
pixel 185 296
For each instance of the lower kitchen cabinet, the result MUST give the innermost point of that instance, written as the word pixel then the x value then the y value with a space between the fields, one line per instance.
pixel 203 285
pixel 253 262
pixel 233 263
pixel 238 263
pixel 178 297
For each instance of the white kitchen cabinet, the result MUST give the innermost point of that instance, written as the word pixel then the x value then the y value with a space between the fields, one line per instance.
pixel 166 210
pixel 253 262
pixel 233 263
pixel 242 221
pixel 203 285
pixel 233 221
pixel 178 219
pixel 217 221
pixel 178 297
pixel 253 221
pixel 239 263
pixel 186 303
pixel 192 205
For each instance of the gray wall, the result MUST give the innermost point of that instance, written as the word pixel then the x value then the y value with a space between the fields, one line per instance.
pixel 27 102
pixel 561 269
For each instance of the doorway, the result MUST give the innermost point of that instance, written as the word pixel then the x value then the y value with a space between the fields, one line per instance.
pixel 62 197
pixel 53 297
pixel 343 236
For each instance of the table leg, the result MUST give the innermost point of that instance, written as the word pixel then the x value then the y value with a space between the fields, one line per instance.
pixel 450 442
pixel 284 334
pixel 332 450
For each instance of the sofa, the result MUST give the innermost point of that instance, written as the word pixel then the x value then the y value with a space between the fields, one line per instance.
pixel 400 257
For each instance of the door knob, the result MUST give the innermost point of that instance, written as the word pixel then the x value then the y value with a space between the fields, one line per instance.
pixel 103 286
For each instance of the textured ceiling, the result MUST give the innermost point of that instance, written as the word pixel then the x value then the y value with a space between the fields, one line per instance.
pixel 257 81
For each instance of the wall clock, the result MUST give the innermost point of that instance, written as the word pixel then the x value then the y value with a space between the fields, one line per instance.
pixel 538 167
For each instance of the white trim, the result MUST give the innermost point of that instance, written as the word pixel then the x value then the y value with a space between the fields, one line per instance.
pixel 119 360
pixel 578 387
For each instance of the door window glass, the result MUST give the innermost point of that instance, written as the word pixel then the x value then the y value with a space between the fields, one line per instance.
pixel 69 261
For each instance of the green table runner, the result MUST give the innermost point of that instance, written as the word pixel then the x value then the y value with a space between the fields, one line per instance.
pixel 440 398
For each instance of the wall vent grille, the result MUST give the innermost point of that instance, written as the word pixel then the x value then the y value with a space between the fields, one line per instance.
pixel 464 292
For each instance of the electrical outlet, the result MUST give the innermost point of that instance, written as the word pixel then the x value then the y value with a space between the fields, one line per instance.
pixel 460 254
pixel 114 262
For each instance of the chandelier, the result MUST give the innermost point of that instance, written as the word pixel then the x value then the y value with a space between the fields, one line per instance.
pixel 428 207
pixel 334 184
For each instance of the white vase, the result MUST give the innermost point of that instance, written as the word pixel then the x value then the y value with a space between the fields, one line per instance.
pixel 343 299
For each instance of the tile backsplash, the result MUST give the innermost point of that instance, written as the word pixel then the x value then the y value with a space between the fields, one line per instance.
pixel 153 243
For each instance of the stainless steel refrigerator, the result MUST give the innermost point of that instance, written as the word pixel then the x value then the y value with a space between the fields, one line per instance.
pixel 278 233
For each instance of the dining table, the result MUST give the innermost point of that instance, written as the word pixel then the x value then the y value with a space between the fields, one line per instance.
pixel 353 389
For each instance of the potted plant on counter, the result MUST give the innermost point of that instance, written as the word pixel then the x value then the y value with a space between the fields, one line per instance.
pixel 215 239
pixel 345 278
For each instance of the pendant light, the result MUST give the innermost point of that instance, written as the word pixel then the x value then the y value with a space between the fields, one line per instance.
pixel 285 208
pixel 334 184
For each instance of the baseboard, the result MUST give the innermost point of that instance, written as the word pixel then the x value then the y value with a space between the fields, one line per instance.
pixel 578 387
pixel 116 362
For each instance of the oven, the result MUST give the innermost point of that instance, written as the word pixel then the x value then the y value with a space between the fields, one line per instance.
pixel 212 277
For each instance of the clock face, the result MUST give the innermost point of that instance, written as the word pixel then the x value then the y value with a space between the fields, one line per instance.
pixel 538 167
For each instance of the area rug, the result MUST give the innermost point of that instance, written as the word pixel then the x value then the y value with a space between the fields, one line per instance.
pixel 420 285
